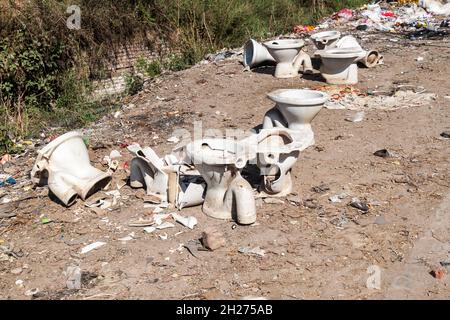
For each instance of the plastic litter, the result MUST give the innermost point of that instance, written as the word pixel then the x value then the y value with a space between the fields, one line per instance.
pixel 252 251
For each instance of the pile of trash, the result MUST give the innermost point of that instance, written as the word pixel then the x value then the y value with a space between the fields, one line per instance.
pixel 351 98
pixel 398 16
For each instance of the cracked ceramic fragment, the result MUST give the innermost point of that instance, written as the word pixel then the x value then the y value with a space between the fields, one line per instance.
pixel 92 246
pixel 64 165
pixel 148 170
pixel 252 251
pixel 189 221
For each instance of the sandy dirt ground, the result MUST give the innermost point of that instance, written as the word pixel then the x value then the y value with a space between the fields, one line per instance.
pixel 314 248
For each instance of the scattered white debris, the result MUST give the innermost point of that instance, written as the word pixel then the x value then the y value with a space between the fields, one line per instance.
pixel 357 117
pixel 163 236
pixel 117 114
pixel 31 292
pixel 189 221
pixel 273 201
pixel 73 275
pixel 255 251
pixel 173 140
pixel 149 229
pixel 419 59
pixel 130 237
pixel 158 210
pixel 165 225
pixel 337 198
pixel 19 283
pixel 92 246
pixel 115 154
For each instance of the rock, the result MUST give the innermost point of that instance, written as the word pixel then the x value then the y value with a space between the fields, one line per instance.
pixel 438 273
pixel 445 134
pixel 212 239
pixel 383 153
pixel 360 205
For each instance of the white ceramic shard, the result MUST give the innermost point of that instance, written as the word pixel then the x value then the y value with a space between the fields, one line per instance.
pixel 92 246
pixel 289 57
pixel 147 169
pixel 189 221
pixel 65 166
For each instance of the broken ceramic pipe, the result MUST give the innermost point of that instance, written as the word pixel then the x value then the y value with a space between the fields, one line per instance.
pixel 228 195
pixel 64 165
pixel 289 57
pixel 255 54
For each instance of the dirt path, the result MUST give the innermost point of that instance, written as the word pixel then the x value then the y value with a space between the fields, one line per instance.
pixel 317 249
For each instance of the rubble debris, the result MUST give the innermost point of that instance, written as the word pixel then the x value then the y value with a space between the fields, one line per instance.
pixel 337 198
pixel 73 274
pixel 438 273
pixel 189 221
pixel 320 189
pixel 252 251
pixel 360 205
pixel 357 117
pixel 383 153
pixel 92 246
pixel 445 134
pixel 6 180
pixel 212 239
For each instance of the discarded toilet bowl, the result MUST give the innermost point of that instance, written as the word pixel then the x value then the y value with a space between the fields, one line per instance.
pixel 277 152
pixel 339 65
pixel 325 39
pixel 369 59
pixel 255 54
pixel 295 109
pixel 65 166
pixel 228 195
pixel 147 170
pixel 289 57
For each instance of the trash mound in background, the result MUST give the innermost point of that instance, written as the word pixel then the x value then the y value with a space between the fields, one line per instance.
pixel 351 98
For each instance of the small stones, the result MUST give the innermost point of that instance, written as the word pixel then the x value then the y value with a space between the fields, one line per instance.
pixel 438 273
pixel 383 153
pixel 212 239
pixel 360 205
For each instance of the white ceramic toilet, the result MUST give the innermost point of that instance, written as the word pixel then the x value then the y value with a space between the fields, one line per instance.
pixel 255 54
pixel 286 128
pixel 339 65
pixel 228 195
pixel 295 109
pixel 64 165
pixel 325 39
pixel 289 57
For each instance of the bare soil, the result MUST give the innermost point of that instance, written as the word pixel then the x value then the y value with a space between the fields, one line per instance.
pixel 314 250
